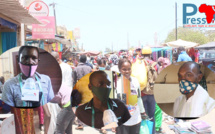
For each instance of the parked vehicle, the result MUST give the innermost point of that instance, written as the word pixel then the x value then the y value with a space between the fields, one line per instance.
pixel 206 54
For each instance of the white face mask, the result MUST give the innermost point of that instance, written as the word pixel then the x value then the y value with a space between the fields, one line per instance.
pixel 109 119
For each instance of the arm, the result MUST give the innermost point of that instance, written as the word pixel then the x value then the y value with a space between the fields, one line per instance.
pixel 50 91
pixel 140 102
pixel 47 118
pixel 126 115
pixel 7 95
pixel 74 77
pixel 179 58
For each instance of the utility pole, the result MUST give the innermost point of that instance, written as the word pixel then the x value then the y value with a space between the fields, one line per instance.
pixel 175 20
pixel 112 46
pixel 22 30
pixel 128 41
pixel 53 4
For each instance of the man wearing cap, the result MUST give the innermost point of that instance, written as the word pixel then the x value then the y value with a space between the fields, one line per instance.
pixel 195 100
pixel 148 95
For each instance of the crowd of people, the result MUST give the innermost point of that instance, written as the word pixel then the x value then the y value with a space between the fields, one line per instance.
pixel 137 103
pixel 121 63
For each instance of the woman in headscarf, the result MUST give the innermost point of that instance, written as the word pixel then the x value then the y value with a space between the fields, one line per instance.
pixel 163 62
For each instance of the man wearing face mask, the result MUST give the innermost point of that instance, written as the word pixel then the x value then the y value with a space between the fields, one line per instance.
pixel 194 101
pixel 102 110
pixel 29 88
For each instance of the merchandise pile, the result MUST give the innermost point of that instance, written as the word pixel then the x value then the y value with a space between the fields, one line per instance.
pixel 201 127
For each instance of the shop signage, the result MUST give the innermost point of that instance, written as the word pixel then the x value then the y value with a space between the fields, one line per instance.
pixel 46 30
pixel 38 8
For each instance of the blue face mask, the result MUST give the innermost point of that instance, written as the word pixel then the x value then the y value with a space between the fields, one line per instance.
pixel 186 86
pixel 102 68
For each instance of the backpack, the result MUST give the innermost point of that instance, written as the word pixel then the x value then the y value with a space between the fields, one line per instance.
pixel 151 76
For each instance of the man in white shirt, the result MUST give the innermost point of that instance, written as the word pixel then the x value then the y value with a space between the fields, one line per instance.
pixel 194 101
pixel 66 116
pixel 65 69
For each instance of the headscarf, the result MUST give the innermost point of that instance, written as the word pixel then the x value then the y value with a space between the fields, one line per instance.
pixel 166 62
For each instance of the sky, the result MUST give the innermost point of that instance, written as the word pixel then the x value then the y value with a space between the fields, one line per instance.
pixel 107 23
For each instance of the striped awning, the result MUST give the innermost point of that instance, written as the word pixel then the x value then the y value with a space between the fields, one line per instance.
pixel 15 11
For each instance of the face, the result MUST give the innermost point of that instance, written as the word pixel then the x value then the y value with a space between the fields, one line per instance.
pixel 138 52
pixel 29 56
pixel 100 80
pixel 189 73
pixel 3 80
pixel 179 51
pixel 126 69
pixel 102 65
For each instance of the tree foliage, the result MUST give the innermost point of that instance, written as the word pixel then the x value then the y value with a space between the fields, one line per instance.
pixel 188 35
pixel 210 34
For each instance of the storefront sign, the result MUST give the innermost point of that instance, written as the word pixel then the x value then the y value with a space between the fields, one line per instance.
pixel 38 8
pixel 77 33
pixel 46 30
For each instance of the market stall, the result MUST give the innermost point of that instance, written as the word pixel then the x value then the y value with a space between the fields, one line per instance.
pixel 165 52
pixel 181 43
pixel 207 46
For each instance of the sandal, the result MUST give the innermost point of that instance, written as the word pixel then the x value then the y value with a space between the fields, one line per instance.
pixel 79 128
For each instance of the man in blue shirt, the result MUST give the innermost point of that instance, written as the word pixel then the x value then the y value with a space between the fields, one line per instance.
pixel 18 92
pixel 183 56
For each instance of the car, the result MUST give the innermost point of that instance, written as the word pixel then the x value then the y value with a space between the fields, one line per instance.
pixel 206 54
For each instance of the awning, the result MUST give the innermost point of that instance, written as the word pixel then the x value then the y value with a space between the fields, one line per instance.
pixel 15 11
pixel 92 53
pixel 181 43
pixel 209 45
pixel 57 39
pixel 161 48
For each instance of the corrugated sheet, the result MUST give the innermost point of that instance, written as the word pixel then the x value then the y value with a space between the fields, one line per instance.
pixel 14 10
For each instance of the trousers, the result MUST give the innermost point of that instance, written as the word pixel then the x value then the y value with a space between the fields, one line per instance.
pixel 65 119
pixel 149 105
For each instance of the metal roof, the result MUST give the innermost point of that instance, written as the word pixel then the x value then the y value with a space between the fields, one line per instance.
pixel 15 11
pixel 209 45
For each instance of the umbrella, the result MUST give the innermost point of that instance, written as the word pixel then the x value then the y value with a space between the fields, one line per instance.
pixel 92 53
pixel 181 43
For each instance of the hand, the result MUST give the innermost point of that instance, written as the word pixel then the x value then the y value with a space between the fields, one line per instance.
pixel 113 130
pixel 144 116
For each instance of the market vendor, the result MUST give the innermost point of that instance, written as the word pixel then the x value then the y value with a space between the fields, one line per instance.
pixel 29 88
pixel 195 100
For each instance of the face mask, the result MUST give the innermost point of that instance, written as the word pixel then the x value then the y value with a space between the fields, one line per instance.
pixel 102 68
pixel 186 86
pixel 101 93
pixel 28 70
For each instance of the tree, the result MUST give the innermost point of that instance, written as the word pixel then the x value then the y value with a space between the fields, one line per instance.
pixel 210 34
pixel 188 35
